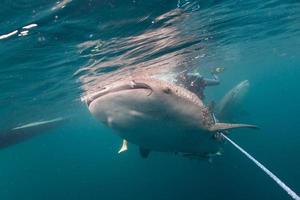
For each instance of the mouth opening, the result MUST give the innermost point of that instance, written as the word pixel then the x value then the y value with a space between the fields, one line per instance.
pixel 108 90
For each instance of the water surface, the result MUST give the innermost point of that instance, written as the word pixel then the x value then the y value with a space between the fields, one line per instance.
pixel 72 45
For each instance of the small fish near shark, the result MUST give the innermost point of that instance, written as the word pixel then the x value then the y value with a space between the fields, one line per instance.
pixel 158 116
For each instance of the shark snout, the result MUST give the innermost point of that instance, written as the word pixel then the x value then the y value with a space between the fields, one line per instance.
pixel 128 85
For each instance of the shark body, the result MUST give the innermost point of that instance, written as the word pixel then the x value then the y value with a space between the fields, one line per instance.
pixel 157 115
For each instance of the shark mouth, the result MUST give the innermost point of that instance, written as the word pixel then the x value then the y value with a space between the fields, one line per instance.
pixel 108 90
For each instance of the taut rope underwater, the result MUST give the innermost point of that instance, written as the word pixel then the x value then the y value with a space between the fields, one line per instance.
pixel 268 172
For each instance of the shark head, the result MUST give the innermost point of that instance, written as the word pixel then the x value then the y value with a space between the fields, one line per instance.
pixel 133 98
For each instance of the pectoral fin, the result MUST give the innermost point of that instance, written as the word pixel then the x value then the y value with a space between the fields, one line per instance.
pixel 225 126
pixel 124 147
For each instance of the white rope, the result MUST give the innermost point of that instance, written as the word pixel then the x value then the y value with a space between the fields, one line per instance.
pixel 268 172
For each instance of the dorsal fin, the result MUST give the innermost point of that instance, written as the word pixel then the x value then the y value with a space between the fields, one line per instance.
pixel 225 126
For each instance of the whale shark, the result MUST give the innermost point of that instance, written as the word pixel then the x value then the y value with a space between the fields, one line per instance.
pixel 157 116
pixel 160 116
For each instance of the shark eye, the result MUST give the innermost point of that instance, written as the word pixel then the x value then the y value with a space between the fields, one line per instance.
pixel 167 90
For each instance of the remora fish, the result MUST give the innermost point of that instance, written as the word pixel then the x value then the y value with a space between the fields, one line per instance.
pixel 158 116
pixel 27 131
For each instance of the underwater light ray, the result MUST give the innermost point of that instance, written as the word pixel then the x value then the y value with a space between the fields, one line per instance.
pixel 268 172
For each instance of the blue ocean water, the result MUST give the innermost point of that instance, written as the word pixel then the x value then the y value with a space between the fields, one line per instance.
pixel 45 68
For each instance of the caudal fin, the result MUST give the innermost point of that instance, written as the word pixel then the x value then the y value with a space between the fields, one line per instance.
pixel 225 126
